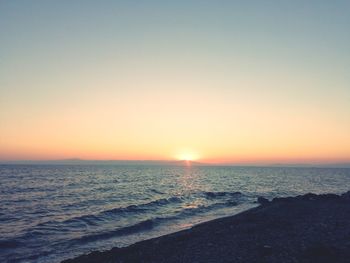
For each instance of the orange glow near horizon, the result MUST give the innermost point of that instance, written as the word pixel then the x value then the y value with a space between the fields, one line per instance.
pixel 207 127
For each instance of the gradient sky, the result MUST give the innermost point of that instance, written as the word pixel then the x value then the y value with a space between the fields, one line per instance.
pixel 219 81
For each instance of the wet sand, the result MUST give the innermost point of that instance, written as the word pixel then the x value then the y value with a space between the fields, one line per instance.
pixel 307 229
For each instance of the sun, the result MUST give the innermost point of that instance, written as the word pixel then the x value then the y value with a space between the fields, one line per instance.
pixel 187 156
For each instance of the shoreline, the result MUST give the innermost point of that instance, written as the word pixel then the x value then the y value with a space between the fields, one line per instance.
pixel 306 228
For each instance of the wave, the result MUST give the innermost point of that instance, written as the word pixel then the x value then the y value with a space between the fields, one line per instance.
pixel 212 195
pixel 151 223
pixel 140 207
pixel 215 200
pixel 177 209
pixel 93 219
pixel 138 227
pixel 186 212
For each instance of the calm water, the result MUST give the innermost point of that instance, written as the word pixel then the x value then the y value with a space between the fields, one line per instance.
pixel 50 213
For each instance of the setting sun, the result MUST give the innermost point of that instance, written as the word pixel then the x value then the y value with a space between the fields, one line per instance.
pixel 187 156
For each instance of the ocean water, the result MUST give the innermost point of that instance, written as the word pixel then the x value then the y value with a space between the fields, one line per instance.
pixel 53 212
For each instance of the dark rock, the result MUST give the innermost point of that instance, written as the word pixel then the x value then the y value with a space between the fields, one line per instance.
pixel 320 254
pixel 265 250
pixel 263 200
pixel 283 199
pixel 346 195
pixel 329 196
pixel 309 197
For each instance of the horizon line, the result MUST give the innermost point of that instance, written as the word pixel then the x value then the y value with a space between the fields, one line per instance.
pixel 250 163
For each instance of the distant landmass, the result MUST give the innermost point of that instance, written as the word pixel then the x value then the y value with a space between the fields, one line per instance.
pixel 76 161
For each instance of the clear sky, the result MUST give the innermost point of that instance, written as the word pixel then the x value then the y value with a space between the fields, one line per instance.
pixel 219 81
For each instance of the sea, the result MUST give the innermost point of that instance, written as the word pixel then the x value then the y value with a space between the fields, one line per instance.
pixel 49 213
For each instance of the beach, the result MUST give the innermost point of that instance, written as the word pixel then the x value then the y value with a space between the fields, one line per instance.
pixel 306 228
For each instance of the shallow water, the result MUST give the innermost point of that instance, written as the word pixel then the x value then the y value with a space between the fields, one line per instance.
pixel 52 212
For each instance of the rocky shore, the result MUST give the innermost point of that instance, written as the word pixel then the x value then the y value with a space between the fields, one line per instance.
pixel 308 229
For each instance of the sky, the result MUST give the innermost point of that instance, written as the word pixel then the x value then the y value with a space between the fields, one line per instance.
pixel 213 81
